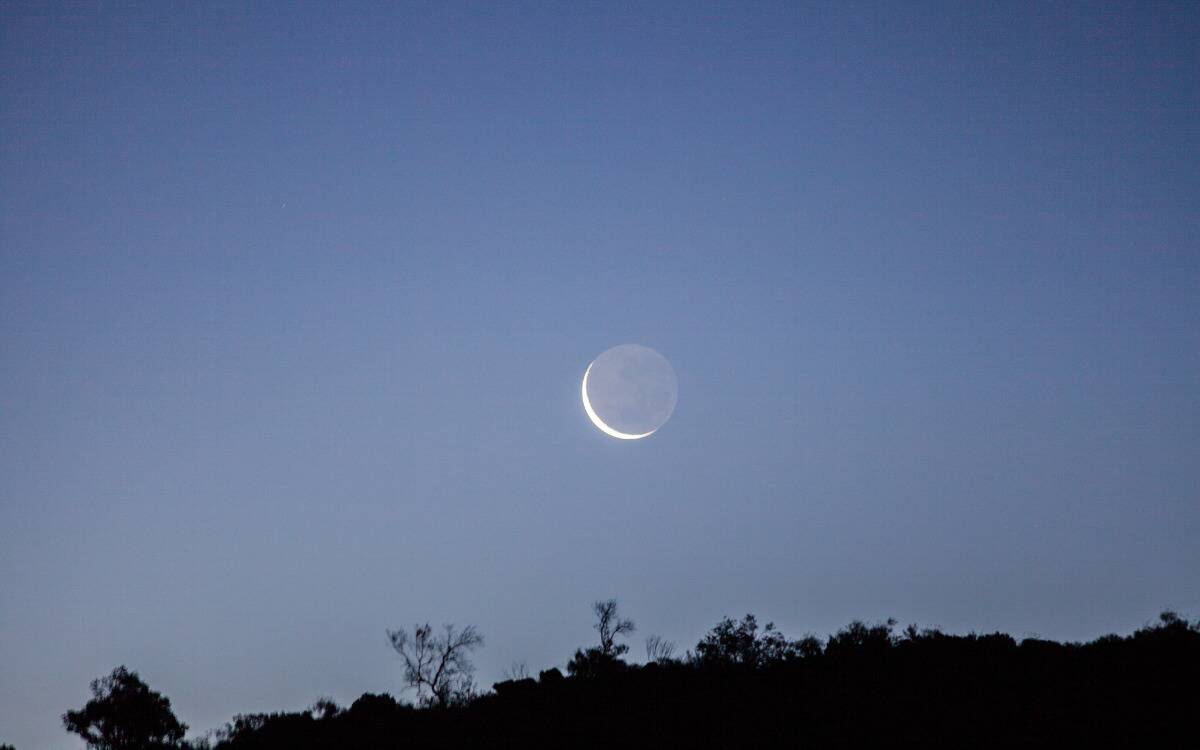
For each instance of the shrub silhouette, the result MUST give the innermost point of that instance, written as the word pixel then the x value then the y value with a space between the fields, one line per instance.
pixel 658 649
pixel 125 714
pixel 747 685
pixel 740 644
pixel 593 662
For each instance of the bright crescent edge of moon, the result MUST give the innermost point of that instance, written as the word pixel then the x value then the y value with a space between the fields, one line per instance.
pixel 596 420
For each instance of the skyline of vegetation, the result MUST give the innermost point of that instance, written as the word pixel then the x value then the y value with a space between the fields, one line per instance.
pixel 865 681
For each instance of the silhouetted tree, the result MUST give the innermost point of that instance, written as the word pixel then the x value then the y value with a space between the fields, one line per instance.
pixel 1169 621
pixel 325 708
pixel 7 747
pixel 550 676
pixel 606 657
pixel 733 643
pixel 610 625
pixel 860 639
pixel 438 667
pixel 808 647
pixel 125 714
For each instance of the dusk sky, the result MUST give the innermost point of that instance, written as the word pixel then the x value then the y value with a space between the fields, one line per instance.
pixel 296 300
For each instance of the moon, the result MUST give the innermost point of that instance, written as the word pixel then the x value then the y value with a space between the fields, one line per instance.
pixel 629 391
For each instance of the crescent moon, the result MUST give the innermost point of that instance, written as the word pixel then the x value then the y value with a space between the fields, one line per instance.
pixel 596 420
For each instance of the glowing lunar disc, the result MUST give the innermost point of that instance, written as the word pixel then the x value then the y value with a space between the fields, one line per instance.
pixel 629 392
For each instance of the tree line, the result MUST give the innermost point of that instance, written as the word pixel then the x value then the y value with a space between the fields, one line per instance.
pixel 742 682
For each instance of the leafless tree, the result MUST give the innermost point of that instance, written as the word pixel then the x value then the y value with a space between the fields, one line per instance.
pixel 659 649
pixel 438 666
pixel 610 625
pixel 518 670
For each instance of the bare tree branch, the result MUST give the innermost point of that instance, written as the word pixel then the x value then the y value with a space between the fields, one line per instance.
pixel 518 670
pixel 610 625
pixel 438 667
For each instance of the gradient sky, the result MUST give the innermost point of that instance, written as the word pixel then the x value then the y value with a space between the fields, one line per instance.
pixel 295 301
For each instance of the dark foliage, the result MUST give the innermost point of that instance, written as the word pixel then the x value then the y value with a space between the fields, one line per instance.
pixel 125 714
pixel 593 662
pixel 746 686
pixel 740 644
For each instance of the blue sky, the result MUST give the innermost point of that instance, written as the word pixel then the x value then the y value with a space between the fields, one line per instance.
pixel 295 300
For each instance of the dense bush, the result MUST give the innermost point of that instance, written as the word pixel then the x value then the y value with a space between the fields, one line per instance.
pixel 743 684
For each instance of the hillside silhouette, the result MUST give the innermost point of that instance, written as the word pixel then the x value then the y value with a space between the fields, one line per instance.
pixel 744 685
